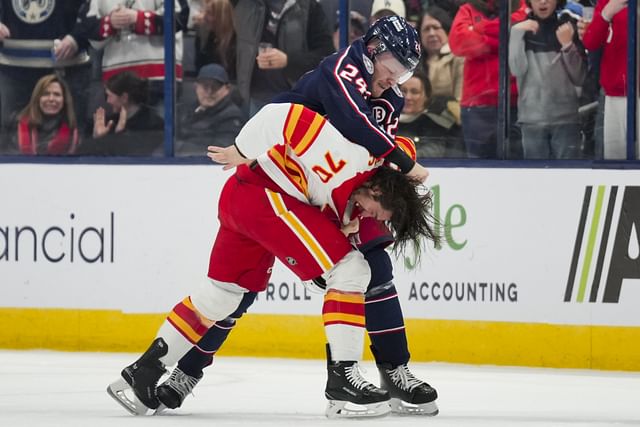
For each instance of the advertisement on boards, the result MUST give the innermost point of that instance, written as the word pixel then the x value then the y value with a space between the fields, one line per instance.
pixel 519 245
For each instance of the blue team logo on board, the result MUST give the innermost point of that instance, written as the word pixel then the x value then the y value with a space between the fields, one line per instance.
pixel 33 11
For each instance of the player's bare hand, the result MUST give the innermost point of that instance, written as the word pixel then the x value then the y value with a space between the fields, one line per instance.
pixel 230 157
pixel 419 173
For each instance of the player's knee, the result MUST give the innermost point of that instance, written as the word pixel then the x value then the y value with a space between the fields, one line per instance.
pixel 216 300
pixel 350 274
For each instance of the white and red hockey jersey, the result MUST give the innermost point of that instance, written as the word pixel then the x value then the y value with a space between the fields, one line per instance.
pixel 142 50
pixel 306 156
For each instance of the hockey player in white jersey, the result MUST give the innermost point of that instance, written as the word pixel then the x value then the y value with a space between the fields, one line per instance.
pixel 310 179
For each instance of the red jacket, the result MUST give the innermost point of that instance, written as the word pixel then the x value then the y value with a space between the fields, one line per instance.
pixel 612 38
pixel 64 142
pixel 475 37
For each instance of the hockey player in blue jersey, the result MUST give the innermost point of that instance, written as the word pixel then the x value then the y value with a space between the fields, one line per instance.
pixel 356 89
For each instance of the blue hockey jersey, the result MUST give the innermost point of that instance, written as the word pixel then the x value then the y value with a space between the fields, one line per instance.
pixel 339 88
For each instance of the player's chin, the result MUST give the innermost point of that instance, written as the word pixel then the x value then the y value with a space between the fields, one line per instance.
pixel 377 91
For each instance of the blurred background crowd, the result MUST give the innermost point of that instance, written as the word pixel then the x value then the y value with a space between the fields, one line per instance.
pixel 86 77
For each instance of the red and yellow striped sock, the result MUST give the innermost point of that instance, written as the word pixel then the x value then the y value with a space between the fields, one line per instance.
pixel 343 316
pixel 181 331
pixel 185 319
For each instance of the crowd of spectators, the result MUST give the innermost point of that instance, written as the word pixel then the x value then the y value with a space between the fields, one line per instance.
pixel 85 77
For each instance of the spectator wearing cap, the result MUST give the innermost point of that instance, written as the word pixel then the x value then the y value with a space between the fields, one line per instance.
pixel 380 8
pixel 444 69
pixel 214 119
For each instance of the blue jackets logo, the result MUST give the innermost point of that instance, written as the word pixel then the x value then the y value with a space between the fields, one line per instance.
pixel 33 11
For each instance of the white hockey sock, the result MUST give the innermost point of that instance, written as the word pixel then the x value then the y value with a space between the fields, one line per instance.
pixel 177 344
pixel 345 341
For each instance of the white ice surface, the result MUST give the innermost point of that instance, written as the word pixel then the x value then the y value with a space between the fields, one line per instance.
pixel 42 388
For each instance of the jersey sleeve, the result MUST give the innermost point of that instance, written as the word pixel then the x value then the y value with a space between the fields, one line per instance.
pixel 263 130
pixel 345 104
pixel 473 35
pixel 597 32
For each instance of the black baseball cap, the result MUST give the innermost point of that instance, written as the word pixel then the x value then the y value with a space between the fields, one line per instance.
pixel 213 72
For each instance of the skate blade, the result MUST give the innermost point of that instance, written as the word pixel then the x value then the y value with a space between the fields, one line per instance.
pixel 343 409
pixel 132 404
pixel 400 407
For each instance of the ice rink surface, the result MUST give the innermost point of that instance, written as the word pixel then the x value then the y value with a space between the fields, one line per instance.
pixel 42 388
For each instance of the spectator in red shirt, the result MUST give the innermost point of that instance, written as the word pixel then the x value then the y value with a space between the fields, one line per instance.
pixel 47 125
pixel 475 36
pixel 608 31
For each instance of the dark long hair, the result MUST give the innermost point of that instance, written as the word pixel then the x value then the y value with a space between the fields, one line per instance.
pixel 440 15
pixel 131 83
pixel 220 39
pixel 411 206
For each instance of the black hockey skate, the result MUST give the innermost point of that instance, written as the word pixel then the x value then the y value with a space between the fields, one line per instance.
pixel 409 395
pixel 350 395
pixel 175 389
pixel 142 378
